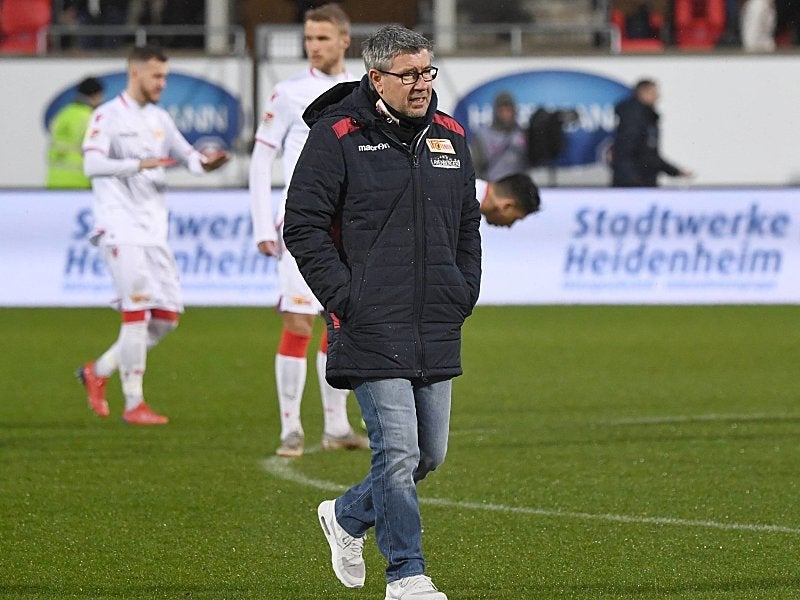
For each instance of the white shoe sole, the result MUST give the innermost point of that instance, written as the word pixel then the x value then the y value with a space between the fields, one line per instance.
pixel 325 512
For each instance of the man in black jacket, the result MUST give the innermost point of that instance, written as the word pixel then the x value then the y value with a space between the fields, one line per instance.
pixel 636 160
pixel 382 218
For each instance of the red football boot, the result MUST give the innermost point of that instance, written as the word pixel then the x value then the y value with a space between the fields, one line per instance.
pixel 96 388
pixel 143 415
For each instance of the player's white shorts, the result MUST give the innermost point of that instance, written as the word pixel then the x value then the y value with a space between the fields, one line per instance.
pixel 296 296
pixel 144 277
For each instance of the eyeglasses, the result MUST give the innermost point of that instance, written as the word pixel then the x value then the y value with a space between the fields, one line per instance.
pixel 411 77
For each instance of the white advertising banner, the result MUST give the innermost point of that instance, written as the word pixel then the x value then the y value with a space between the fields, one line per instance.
pixel 649 247
pixel 587 246
pixel 46 259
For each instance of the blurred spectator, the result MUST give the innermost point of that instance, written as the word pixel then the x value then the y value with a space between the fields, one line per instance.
pixel 170 12
pixel 146 12
pixel 501 148
pixel 67 130
pixel 508 11
pixel 731 36
pixel 639 24
pixel 300 8
pixel 758 25
pixel 636 160
pixel 98 12
pixel 787 26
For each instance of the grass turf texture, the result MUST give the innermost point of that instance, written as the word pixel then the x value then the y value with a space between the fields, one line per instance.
pixel 648 438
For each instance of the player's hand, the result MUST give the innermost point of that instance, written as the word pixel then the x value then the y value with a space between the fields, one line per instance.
pixel 155 163
pixel 215 160
pixel 268 248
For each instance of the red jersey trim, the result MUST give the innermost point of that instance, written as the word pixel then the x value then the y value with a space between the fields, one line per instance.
pixel 266 143
pixel 345 126
pixel 449 123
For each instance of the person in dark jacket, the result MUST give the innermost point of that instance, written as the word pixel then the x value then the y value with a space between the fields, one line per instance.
pixel 636 160
pixel 382 217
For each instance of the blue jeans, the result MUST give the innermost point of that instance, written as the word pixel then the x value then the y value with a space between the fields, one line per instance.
pixel 408 424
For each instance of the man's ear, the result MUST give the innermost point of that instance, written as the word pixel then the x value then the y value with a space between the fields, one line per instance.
pixel 375 78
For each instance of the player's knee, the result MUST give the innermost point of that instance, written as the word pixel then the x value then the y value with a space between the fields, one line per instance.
pixel 299 324
pixel 161 323
pixel 429 461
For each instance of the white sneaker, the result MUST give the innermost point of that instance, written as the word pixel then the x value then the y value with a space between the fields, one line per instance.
pixel 418 587
pixel 346 550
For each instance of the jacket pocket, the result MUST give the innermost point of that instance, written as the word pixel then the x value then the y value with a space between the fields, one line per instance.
pixel 462 293
pixel 354 294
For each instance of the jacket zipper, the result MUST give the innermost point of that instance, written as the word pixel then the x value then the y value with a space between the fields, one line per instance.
pixel 419 252
pixel 418 213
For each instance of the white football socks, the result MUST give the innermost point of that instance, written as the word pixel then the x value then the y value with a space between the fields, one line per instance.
pixel 108 362
pixel 157 329
pixel 334 402
pixel 290 377
pixel 132 355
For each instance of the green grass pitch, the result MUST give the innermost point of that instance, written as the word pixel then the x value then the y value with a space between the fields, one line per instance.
pixel 595 452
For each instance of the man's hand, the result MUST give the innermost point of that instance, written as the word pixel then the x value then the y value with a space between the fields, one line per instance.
pixel 268 248
pixel 215 160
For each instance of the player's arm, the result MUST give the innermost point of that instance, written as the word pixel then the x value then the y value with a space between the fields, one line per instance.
pixel 97 161
pixel 269 139
pixel 184 153
pixel 260 184
pixel 96 147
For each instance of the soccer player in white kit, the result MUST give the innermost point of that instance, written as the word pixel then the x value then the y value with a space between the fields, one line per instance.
pixel 129 143
pixel 283 131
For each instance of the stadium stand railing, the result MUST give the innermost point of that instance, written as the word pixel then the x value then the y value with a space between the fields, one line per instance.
pixel 228 40
pixel 277 42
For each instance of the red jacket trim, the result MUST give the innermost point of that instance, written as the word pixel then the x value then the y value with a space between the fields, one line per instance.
pixel 449 123
pixel 345 126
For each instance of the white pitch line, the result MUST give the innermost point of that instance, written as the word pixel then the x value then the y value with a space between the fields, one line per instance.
pixel 664 420
pixel 282 469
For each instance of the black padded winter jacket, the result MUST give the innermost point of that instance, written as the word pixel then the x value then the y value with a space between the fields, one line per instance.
pixel 386 236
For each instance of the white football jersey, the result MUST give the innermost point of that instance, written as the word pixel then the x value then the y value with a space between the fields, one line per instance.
pixel 282 130
pixel 481 189
pixel 129 203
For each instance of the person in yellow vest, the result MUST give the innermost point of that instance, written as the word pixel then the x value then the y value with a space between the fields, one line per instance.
pixel 64 157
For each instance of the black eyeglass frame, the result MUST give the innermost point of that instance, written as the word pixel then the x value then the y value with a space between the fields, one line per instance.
pixel 431 71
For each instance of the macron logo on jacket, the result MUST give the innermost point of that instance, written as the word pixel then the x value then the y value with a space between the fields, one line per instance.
pixel 373 148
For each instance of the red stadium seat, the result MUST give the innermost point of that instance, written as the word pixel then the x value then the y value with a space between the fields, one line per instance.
pixel 637 44
pixel 20 24
pixel 698 23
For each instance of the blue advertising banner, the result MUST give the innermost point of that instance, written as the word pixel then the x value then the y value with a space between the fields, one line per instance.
pixel 591 97
pixel 207 115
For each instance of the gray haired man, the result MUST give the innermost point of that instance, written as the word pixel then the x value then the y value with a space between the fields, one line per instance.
pixel 382 218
